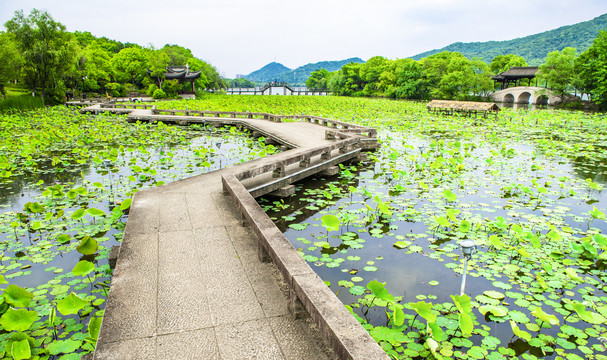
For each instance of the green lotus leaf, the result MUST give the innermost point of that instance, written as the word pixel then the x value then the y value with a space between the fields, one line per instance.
pixel 18 320
pixel 126 204
pixel 494 294
pixel 449 195
pixel 436 331
pixel 330 222
pixel 497 311
pixel 63 346
pixel 78 214
pixel 71 304
pixel 424 310
pixel 464 226
pixel 21 349
pixel 378 289
pixel 95 212
pixel 87 246
pixel 401 244
pixel 542 316
pixel 83 268
pixel 391 335
pixel 16 296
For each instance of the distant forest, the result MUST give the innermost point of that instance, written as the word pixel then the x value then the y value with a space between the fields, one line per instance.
pixel 534 48
pixel 39 55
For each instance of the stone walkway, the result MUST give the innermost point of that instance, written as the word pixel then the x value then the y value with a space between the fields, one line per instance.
pixel 188 283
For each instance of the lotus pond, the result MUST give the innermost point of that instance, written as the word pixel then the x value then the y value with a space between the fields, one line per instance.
pixel 66 181
pixel 527 188
pixel 384 234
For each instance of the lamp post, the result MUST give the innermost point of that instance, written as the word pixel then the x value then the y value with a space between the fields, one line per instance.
pixel 108 164
pixel 468 248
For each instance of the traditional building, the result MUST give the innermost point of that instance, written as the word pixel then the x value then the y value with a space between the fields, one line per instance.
pixel 514 75
pixel 182 74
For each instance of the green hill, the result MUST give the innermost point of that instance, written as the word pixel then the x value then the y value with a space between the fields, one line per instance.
pixel 278 72
pixel 301 74
pixel 267 73
pixel 533 48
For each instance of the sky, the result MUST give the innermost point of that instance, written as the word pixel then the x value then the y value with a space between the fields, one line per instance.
pixel 240 36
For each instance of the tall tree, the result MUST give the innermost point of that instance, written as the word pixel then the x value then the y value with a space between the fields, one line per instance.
pixel 558 69
pixel 318 79
pixel 11 60
pixel 130 64
pixel 503 63
pixel 46 47
pixel 158 61
pixel 410 80
pixel 591 66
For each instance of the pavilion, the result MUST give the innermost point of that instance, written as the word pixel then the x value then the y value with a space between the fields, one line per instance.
pixel 182 74
pixel 514 75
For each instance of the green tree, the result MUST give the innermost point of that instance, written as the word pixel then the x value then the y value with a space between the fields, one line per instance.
pixel 158 61
pixel 98 69
pixel 11 60
pixel 130 64
pixel 591 66
pixel 558 69
pixel 370 74
pixel 318 79
pixel 48 50
pixel 410 80
pixel 503 63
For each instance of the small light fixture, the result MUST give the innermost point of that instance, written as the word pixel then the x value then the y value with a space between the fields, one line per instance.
pixel 421 149
pixel 468 247
pixel 107 162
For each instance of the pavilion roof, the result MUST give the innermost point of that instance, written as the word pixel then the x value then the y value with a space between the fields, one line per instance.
pixel 517 72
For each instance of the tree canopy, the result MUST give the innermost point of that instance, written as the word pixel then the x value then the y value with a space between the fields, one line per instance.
pixel 39 54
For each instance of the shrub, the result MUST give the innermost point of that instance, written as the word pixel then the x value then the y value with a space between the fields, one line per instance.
pixel 159 94
pixel 115 89
pixel 151 89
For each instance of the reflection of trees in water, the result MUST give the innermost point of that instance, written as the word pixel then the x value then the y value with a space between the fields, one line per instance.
pixel 13 188
pixel 585 168
pixel 300 206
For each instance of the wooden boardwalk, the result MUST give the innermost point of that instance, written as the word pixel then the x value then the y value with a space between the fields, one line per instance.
pixel 189 284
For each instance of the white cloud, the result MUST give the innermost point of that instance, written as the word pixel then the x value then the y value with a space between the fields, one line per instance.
pixel 239 36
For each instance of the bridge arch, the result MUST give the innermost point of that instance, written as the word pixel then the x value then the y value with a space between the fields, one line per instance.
pixel 541 100
pixel 524 97
pixel 508 98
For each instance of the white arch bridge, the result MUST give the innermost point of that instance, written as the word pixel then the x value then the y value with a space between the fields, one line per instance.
pixel 527 95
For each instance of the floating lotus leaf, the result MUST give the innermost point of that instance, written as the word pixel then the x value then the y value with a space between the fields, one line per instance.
pixel 71 304
pixel 63 346
pixel 497 311
pixel 18 320
pixel 17 296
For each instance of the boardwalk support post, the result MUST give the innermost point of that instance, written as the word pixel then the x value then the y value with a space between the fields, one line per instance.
pixel 295 306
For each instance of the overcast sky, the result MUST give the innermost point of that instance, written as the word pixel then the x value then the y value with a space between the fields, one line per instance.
pixel 240 36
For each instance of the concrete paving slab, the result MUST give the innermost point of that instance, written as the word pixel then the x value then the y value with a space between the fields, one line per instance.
pixel 194 345
pixel 174 214
pixel 136 349
pixel 248 340
pixel 182 300
pixel 294 337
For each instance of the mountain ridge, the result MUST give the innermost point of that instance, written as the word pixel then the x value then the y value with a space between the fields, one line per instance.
pixel 533 48
pixel 278 72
